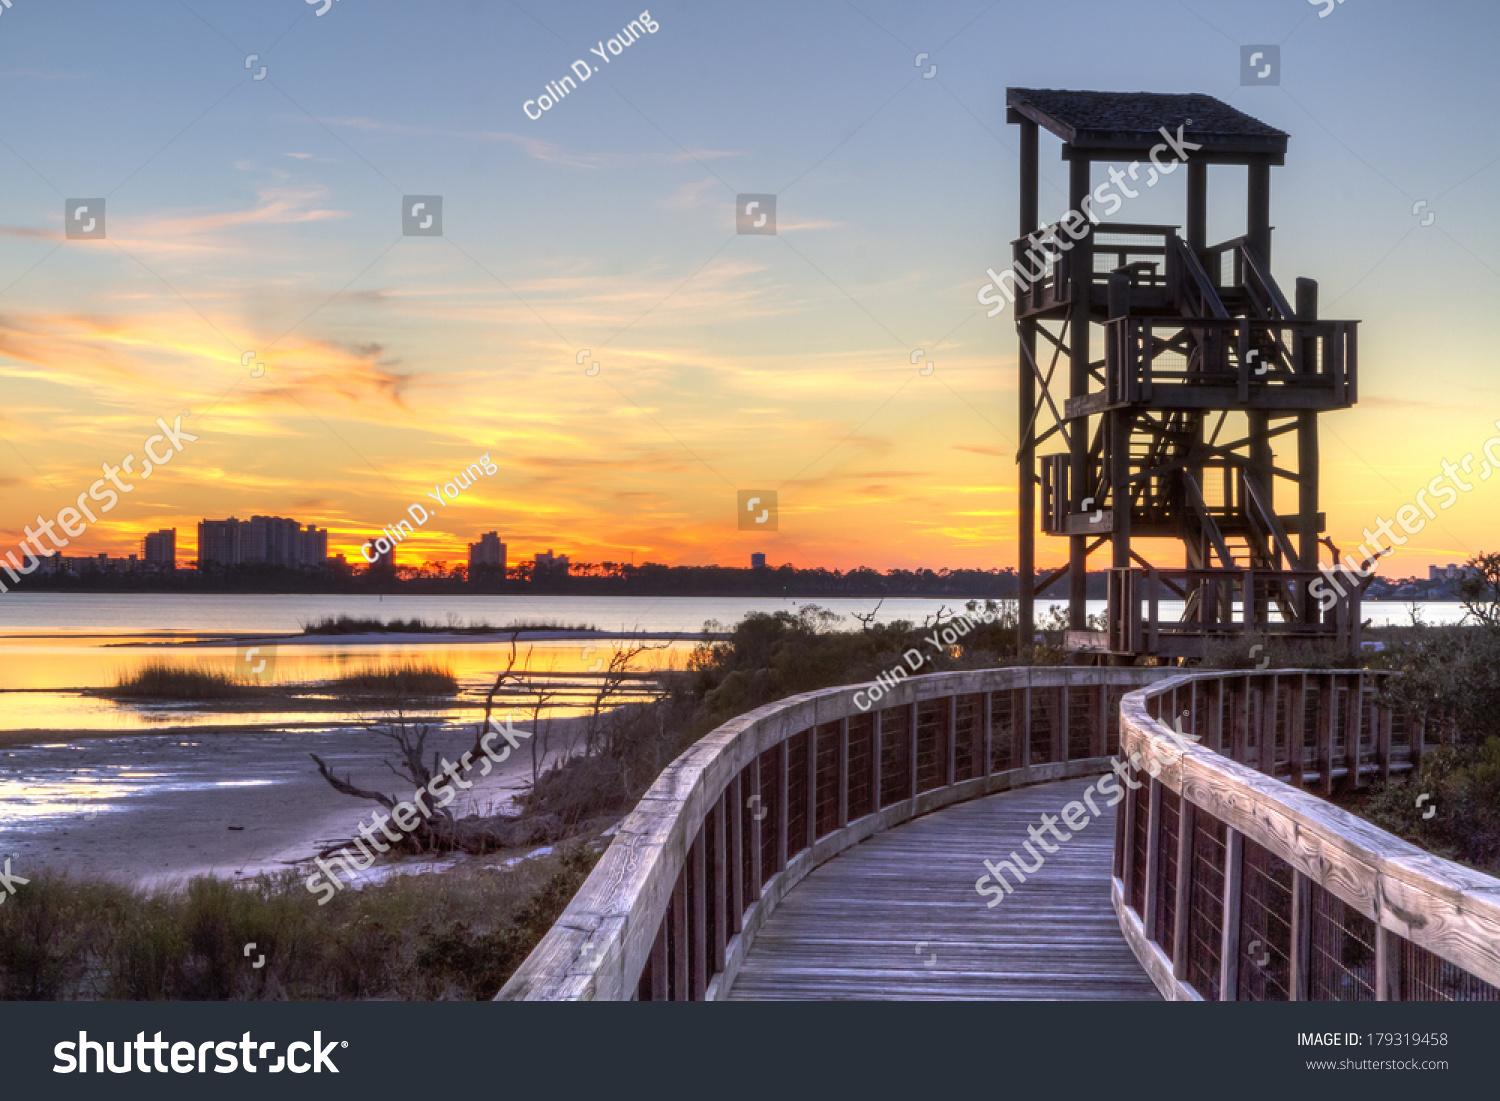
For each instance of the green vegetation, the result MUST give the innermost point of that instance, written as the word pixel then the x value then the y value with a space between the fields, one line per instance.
pixel 166 680
pixel 361 625
pixel 405 681
pixel 454 935
pixel 1450 678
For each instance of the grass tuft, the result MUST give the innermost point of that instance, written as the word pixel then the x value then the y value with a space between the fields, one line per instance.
pixel 406 679
pixel 168 681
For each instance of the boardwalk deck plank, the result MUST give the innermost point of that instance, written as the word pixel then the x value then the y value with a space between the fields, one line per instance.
pixel 867 924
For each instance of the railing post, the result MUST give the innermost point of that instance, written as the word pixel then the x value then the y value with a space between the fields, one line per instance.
pixel 1216 719
pixel 1296 729
pixel 979 742
pixel 1229 955
pixel 737 855
pixel 721 886
pixel 1128 870
pixel 1354 716
pixel 1328 690
pixel 1193 710
pixel 660 990
pixel 1057 705
pixel 1383 720
pixel 812 785
pixel 698 932
pixel 911 750
pixel 1020 728
pixel 1270 704
pixel 877 737
pixel 680 992
pixel 1301 946
pixel 1101 720
pixel 757 839
pixel 843 783
pixel 1153 828
pixel 952 738
pixel 1183 908
pixel 783 812
pixel 1387 965
pixel 987 702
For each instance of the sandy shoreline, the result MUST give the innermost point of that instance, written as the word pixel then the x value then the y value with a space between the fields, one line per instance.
pixel 154 808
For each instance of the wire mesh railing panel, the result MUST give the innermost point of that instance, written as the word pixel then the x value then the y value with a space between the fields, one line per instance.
pixel 861 780
pixel 1265 962
pixel 1206 905
pixel 968 737
pixel 748 809
pixel 1044 719
pixel 796 793
pixel 1140 835
pixel 1002 711
pixel 826 802
pixel 1165 933
pixel 1427 977
pixel 768 810
pixel 1114 694
pixel 895 755
pixel 1081 722
pixel 1341 948
pixel 932 744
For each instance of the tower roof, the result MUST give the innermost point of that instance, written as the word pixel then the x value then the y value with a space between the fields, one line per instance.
pixel 1114 125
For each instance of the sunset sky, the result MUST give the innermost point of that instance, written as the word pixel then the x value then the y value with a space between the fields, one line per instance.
pixel 264 215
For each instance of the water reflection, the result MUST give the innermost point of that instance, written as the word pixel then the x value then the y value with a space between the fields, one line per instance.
pixel 41 679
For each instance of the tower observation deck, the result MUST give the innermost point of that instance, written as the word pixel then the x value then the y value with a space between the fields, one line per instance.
pixel 1162 370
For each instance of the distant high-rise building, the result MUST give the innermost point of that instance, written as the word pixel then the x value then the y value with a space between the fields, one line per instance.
pixel 160 549
pixel 551 565
pixel 261 540
pixel 757 561
pixel 487 554
pixel 219 542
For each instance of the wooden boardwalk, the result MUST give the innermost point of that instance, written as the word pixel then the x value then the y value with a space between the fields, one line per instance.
pixel 868 924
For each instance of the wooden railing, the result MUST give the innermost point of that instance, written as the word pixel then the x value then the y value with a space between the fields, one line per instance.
pixel 731 825
pixel 1233 882
pixel 1229 361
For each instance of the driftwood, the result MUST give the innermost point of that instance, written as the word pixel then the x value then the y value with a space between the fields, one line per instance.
pixel 440 830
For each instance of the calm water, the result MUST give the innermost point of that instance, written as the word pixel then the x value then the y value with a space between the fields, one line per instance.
pixel 52 644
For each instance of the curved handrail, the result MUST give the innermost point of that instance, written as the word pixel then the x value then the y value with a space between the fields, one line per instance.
pixel 1232 884
pixel 747 811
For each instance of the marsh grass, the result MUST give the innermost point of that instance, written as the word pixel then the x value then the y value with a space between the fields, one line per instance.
pixel 170 681
pixel 458 934
pixel 401 681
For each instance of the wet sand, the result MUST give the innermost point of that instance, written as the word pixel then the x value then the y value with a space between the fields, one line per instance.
pixel 154 808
